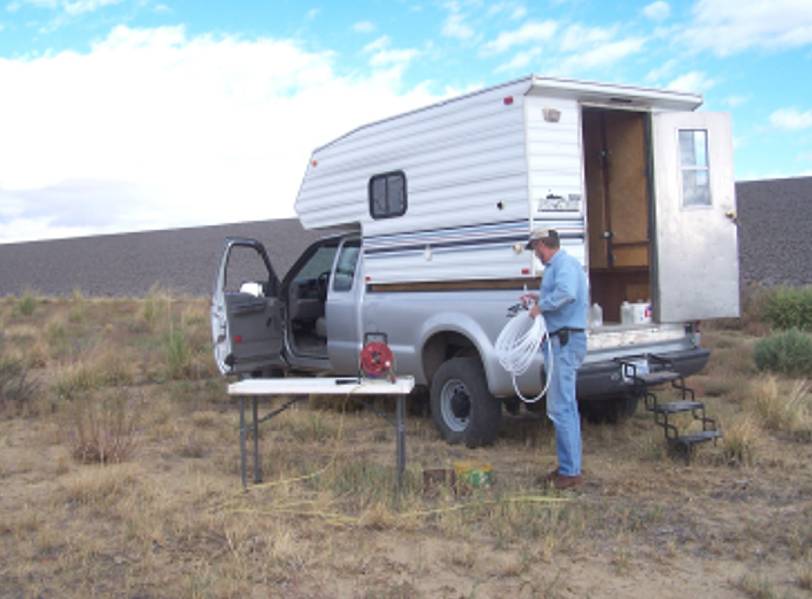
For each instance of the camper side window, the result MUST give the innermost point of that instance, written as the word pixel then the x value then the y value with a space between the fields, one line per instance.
pixel 693 149
pixel 387 195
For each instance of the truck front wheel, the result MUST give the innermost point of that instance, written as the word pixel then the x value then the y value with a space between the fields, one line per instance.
pixel 461 405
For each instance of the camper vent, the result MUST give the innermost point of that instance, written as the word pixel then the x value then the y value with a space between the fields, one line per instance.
pixel 618 100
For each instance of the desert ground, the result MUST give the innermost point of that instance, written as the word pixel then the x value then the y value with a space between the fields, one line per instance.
pixel 119 477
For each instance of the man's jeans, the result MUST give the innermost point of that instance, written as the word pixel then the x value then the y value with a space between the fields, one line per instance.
pixel 562 407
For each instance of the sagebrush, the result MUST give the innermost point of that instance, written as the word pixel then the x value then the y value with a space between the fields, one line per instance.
pixel 788 352
pixel 104 428
pixel 17 388
pixel 789 308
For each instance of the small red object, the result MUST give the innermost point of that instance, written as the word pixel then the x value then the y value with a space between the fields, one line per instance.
pixel 237 338
pixel 376 359
pixel 507 100
pixel 525 271
pixel 314 162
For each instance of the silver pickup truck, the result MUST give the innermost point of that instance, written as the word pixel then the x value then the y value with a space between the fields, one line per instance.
pixel 315 318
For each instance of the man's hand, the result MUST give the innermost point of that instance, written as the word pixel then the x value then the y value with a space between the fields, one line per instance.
pixel 527 298
pixel 535 311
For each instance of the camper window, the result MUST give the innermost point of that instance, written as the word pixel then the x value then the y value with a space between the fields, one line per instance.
pixel 387 195
pixel 693 145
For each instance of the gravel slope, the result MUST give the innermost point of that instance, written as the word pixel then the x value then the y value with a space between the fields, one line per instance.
pixel 183 260
pixel 775 231
pixel 775 228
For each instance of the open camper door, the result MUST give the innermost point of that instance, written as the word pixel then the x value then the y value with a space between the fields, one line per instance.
pixel 697 265
pixel 246 311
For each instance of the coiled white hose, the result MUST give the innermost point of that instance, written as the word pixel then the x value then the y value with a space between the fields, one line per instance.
pixel 516 347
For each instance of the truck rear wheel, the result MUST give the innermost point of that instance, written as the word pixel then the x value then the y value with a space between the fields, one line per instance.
pixel 461 405
pixel 610 410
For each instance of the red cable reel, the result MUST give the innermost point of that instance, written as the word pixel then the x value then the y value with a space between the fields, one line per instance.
pixel 376 360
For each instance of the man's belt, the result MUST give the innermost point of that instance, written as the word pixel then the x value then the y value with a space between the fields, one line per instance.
pixel 563 334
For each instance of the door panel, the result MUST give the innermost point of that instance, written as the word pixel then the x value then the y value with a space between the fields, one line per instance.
pixel 697 267
pixel 246 313
pixel 344 302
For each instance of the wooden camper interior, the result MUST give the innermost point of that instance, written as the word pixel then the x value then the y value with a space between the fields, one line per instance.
pixel 618 208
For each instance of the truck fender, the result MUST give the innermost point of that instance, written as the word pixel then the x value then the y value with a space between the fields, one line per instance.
pixel 455 322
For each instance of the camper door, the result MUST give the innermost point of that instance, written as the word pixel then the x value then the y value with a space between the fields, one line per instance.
pixel 246 312
pixel 697 267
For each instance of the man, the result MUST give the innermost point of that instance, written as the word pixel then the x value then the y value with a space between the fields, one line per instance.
pixel 563 302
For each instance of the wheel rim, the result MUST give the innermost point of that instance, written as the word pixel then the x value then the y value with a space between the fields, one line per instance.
pixel 455 404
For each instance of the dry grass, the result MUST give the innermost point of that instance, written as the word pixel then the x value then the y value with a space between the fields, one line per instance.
pixel 740 442
pixel 169 519
pixel 783 405
pixel 103 428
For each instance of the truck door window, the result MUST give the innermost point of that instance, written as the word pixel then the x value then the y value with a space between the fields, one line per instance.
pixel 320 262
pixel 693 146
pixel 345 267
pixel 245 265
pixel 387 195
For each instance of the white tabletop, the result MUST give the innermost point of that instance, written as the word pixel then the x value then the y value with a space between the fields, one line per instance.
pixel 322 386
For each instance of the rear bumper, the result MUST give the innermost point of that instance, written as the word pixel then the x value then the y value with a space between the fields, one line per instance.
pixel 604 379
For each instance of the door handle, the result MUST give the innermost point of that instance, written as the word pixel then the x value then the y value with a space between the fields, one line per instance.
pixel 731 215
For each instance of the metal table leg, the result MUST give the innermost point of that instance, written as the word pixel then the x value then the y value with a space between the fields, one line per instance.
pixel 257 469
pixel 400 411
pixel 242 442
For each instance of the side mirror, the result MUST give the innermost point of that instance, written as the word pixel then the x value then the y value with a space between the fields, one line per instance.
pixel 252 288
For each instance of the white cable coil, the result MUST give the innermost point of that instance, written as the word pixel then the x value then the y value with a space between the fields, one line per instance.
pixel 516 347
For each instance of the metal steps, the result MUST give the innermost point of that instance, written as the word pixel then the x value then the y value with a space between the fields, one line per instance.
pixel 661 372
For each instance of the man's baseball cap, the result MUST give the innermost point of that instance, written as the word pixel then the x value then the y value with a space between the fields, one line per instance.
pixel 539 234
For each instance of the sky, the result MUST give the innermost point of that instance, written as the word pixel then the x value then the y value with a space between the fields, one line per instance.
pixel 126 115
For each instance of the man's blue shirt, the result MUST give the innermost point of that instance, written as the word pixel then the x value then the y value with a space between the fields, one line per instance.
pixel 563 296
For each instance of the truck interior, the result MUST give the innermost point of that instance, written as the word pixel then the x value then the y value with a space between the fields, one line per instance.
pixel 306 287
pixel 616 164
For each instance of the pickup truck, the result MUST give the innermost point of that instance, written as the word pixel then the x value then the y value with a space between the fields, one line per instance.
pixel 315 318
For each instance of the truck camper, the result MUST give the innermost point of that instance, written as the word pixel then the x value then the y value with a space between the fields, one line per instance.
pixel 434 207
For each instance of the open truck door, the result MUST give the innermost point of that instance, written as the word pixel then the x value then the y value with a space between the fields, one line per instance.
pixel 246 311
pixel 697 262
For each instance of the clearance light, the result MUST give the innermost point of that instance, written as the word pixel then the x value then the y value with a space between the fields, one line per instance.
pixel 237 338
pixel 525 271
pixel 507 100
pixel 314 162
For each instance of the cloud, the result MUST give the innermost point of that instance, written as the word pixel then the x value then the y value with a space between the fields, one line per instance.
pixel 363 27
pixel 731 26
pixel 791 119
pixel 71 7
pixel 532 32
pixel 518 13
pixel 455 27
pixel 657 11
pixel 393 57
pixel 734 101
pixel 378 44
pixel 154 128
pixel 601 55
pixel 383 55
pixel 658 73
pixel 578 37
pixel 85 6
pixel 694 82
pixel 520 61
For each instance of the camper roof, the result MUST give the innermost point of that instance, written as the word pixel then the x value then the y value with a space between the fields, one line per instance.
pixel 589 93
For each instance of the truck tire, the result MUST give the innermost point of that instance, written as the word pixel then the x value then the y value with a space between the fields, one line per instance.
pixel 461 405
pixel 610 410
